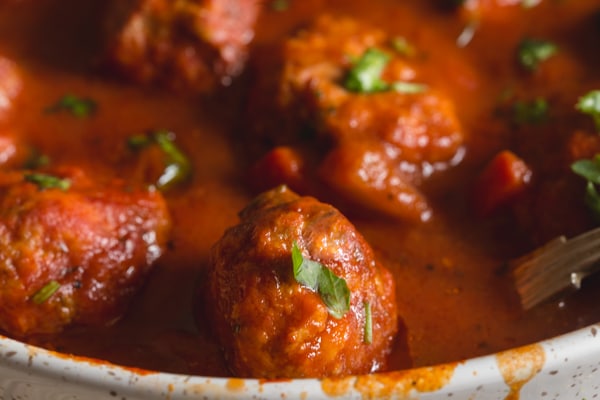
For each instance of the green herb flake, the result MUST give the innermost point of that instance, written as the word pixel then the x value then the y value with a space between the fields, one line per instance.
pixel 589 169
pixel 137 142
pixel 78 107
pixel 409 87
pixel 332 289
pixel 368 333
pixel 531 112
pixel 590 104
pixel 365 74
pixel 334 293
pixel 306 272
pixel 45 181
pixel 532 52
pixel 177 167
pixel 45 292
pixel 280 5
pixel 36 160
pixel 403 46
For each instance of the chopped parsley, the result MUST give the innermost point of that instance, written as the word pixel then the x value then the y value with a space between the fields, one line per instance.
pixel 365 75
pixel 532 52
pixel 590 104
pixel 36 160
pixel 333 290
pixel 280 5
pixel 177 167
pixel 403 46
pixel 46 181
pixel 408 87
pixel 78 107
pixel 45 292
pixel 589 169
pixel 530 112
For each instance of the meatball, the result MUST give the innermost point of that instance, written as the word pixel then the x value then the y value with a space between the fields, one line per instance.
pixel 272 326
pixel 402 121
pixel 10 84
pixel 73 250
pixel 187 45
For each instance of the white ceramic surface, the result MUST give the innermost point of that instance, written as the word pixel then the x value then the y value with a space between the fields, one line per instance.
pixel 566 367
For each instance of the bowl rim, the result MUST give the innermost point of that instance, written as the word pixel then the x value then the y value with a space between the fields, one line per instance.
pixel 101 376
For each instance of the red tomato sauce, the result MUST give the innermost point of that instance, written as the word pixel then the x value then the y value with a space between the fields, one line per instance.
pixel 455 297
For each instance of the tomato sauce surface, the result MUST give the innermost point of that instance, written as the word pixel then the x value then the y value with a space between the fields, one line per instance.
pixel 454 295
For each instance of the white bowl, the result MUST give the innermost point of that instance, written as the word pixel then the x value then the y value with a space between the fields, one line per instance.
pixel 566 367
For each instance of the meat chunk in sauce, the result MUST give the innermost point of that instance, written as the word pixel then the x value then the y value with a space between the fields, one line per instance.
pixel 269 324
pixel 187 45
pixel 371 146
pixel 76 254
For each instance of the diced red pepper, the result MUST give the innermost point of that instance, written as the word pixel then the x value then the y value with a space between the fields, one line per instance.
pixel 282 165
pixel 501 181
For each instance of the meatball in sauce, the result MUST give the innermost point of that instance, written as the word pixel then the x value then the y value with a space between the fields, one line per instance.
pixel 74 251
pixel 191 45
pixel 272 326
pixel 379 126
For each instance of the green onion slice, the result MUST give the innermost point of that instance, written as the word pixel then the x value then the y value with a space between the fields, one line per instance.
pixel 45 292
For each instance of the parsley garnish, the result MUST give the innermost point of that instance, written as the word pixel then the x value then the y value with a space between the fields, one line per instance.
pixel 177 166
pixel 79 107
pixel 532 112
pixel 532 52
pixel 365 75
pixel 403 46
pixel 590 104
pixel 45 181
pixel 333 290
pixel 408 87
pixel 590 171
pixel 280 5
pixel 36 160
pixel 45 292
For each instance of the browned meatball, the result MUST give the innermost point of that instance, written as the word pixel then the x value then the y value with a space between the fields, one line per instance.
pixel 73 251
pixel 407 127
pixel 188 45
pixel 272 326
